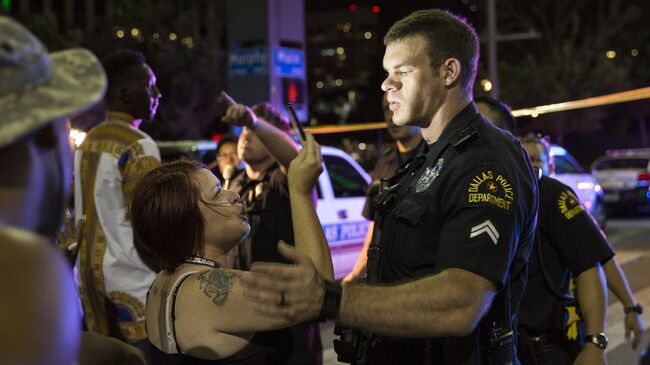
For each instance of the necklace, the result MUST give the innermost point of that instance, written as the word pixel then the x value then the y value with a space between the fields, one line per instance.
pixel 200 261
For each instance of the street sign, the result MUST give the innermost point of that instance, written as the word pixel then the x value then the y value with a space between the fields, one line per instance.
pixel 248 61
pixel 289 62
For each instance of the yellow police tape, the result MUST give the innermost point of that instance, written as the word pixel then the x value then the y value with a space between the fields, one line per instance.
pixel 621 97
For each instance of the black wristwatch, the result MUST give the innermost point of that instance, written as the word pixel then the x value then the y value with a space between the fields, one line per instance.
pixel 633 309
pixel 331 300
pixel 599 339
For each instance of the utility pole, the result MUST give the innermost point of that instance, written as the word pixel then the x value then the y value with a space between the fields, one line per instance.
pixel 493 37
pixel 493 65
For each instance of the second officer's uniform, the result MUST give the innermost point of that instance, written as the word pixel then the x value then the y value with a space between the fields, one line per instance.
pixel 467 201
pixel 569 242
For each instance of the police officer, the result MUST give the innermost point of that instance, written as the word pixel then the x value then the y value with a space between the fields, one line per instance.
pixel 568 244
pixel 457 232
pixel 576 245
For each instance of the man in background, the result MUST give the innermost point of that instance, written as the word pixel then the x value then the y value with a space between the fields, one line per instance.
pixel 113 158
pixel 267 149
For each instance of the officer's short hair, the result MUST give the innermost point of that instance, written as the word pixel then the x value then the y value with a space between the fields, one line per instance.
pixel 506 119
pixel 544 141
pixel 267 112
pixel 447 35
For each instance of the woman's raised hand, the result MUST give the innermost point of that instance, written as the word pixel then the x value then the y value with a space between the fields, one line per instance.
pixel 306 167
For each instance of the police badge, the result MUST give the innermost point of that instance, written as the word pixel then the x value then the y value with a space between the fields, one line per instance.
pixel 430 174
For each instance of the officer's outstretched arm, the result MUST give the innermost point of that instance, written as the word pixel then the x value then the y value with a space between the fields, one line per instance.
pixel 592 296
pixel 617 282
pixel 450 303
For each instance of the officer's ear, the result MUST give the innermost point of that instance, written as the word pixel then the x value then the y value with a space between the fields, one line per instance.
pixel 450 71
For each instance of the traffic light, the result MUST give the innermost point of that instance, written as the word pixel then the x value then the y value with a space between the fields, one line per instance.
pixel 292 92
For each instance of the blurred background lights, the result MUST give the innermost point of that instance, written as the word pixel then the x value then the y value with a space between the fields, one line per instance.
pixel 486 84
pixel 77 137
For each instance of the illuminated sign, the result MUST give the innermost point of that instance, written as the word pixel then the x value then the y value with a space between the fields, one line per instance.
pixel 289 62
pixel 248 61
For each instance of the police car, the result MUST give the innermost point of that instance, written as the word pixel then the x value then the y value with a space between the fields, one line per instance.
pixel 589 191
pixel 625 178
pixel 341 196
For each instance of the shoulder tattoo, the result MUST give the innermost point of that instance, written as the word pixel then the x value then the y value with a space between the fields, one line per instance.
pixel 216 284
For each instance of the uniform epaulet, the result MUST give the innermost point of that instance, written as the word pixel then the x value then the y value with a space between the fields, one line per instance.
pixel 463 138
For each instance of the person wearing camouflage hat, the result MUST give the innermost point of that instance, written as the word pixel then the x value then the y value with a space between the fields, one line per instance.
pixel 39 309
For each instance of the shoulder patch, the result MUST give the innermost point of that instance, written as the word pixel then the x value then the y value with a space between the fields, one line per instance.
pixel 568 205
pixel 491 188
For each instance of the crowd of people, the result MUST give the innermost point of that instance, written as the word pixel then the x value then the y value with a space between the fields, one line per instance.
pixel 475 254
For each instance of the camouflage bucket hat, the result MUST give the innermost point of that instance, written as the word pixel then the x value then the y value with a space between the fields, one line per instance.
pixel 37 87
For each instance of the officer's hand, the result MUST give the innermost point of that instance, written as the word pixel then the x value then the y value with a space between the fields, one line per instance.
pixel 98 349
pixel 591 355
pixel 302 285
pixel 634 328
pixel 305 168
pixel 237 114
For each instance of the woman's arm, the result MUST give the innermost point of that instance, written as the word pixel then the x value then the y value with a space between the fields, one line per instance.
pixel 308 232
pixel 213 318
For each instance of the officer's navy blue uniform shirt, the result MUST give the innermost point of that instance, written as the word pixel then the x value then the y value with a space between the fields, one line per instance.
pixel 386 166
pixel 468 202
pixel 570 242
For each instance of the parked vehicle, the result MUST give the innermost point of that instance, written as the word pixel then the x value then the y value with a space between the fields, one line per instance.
pixel 586 187
pixel 625 178
pixel 341 196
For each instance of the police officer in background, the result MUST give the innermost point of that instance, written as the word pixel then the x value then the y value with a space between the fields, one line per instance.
pixel 408 140
pixel 457 226
pixel 568 244
pixel 497 112
pixel 576 246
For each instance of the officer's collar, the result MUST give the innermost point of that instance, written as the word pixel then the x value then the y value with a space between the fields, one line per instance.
pixel 457 123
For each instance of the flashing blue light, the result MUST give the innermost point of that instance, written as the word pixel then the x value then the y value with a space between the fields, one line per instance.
pixel 557 150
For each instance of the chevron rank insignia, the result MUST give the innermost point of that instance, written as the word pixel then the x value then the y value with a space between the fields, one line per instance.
pixel 568 205
pixel 491 188
pixel 485 228
pixel 430 174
